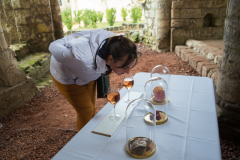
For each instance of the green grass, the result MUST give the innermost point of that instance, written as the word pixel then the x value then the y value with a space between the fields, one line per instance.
pixel 105 24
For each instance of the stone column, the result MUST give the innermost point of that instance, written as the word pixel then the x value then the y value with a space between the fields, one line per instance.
pixel 34 23
pixel 163 24
pixel 11 25
pixel 57 19
pixel 228 85
pixel 10 75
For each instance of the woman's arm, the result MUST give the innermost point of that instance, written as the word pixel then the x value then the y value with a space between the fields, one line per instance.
pixel 60 51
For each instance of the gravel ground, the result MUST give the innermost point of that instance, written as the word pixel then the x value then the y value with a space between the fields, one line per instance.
pixel 42 126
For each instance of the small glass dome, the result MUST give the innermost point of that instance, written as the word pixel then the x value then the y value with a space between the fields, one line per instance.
pixel 156 91
pixel 162 72
pixel 140 129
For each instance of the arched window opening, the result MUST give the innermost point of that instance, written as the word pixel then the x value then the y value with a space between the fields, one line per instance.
pixel 208 20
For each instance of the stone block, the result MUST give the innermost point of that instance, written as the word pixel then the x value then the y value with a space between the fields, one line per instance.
pixel 187 13
pixel 163 23
pixel 218 59
pixel 177 32
pixel 7 58
pixel 190 13
pixel 212 54
pixel 164 5
pixel 3 44
pixel 115 28
pixel 179 48
pixel 217 22
pixel 197 13
pixel 16 4
pixel 21 16
pixel 10 98
pixel 214 76
pixel 163 32
pixel 175 13
pixel 41 9
pixel 179 23
pixel 205 4
pixel 11 75
pixel 46 2
pixel 212 11
pixel 194 59
pixel 54 2
pixel 203 63
pixel 25 4
pixel 222 12
pixel 185 53
pixel 11 18
pixel 24 33
pixel 177 4
pixel 192 4
pixel 163 13
pixel 57 17
pixel 217 32
pixel 195 22
pixel 206 69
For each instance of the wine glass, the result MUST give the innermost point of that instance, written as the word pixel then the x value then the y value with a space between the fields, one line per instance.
pixel 113 97
pixel 128 83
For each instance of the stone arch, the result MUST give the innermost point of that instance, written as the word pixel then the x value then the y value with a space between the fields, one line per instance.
pixel 208 20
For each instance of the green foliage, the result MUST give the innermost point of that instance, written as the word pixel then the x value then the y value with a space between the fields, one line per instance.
pixel 67 18
pixel 124 13
pixel 111 16
pixel 87 17
pixel 94 18
pixel 100 16
pixel 78 16
pixel 136 14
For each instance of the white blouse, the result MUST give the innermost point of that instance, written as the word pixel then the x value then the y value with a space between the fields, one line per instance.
pixel 73 59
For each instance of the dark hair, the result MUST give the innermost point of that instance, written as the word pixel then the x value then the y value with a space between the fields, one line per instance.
pixel 120 47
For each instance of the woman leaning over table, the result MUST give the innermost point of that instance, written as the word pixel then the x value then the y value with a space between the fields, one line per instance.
pixel 80 58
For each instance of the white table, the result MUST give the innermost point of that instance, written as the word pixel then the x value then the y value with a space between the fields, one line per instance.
pixel 191 132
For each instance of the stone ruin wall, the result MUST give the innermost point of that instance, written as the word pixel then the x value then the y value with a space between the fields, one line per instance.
pixel 15 87
pixel 34 22
pixel 149 32
pixel 169 22
pixel 189 20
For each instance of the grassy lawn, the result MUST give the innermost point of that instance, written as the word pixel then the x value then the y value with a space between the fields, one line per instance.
pixel 105 24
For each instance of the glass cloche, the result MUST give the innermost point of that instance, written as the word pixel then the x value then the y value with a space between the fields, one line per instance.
pixel 156 91
pixel 140 129
pixel 162 72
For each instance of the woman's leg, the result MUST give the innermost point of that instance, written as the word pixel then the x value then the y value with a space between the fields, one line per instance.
pixel 78 96
pixel 91 89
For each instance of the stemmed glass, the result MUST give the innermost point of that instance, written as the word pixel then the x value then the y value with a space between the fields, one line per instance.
pixel 113 97
pixel 128 83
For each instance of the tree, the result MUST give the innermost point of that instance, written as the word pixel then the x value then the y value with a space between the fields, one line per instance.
pixel 94 18
pixel 67 18
pixel 124 13
pixel 78 16
pixel 111 16
pixel 100 16
pixel 86 17
pixel 136 14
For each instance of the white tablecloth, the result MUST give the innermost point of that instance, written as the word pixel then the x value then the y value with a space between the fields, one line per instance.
pixel 191 132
